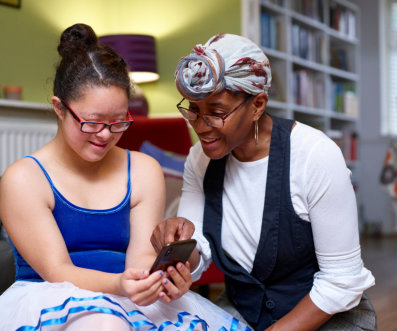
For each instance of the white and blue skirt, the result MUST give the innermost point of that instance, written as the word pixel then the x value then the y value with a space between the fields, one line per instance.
pixel 27 306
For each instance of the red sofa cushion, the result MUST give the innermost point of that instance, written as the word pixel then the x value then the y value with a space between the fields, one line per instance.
pixel 170 134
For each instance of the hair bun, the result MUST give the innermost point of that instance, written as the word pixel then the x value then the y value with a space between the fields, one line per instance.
pixel 77 38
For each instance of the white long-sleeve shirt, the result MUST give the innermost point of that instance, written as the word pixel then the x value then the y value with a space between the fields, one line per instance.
pixel 321 193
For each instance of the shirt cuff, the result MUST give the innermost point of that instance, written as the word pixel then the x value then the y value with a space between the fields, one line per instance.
pixel 196 273
pixel 341 281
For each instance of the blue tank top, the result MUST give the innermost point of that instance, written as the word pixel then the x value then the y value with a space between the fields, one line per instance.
pixel 95 239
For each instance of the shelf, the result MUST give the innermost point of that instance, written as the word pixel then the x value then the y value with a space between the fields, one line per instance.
pixel 6 104
pixel 276 104
pixel 341 116
pixel 314 56
pixel 273 53
pixel 343 74
pixel 272 7
pixel 341 36
pixel 309 110
pixel 308 21
pixel 309 64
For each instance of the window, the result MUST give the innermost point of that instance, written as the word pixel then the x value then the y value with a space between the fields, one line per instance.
pixel 389 33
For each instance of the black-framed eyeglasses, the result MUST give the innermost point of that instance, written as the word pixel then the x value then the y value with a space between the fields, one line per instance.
pixel 214 121
pixel 96 127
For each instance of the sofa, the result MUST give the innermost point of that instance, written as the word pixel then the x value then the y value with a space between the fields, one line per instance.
pixel 7 273
pixel 172 136
pixel 166 139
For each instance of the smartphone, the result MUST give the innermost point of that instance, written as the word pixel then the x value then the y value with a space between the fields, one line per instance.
pixel 172 253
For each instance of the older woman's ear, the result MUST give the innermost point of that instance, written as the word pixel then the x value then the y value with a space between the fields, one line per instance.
pixel 258 105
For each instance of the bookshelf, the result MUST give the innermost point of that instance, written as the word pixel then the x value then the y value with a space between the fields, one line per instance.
pixel 313 50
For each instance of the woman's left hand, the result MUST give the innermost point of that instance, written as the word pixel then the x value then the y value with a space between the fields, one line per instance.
pixel 180 284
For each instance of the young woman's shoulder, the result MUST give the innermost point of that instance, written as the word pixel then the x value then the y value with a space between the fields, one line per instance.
pixel 22 173
pixel 145 169
pixel 23 179
pixel 144 161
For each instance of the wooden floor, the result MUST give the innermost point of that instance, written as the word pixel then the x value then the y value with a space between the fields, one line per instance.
pixel 380 256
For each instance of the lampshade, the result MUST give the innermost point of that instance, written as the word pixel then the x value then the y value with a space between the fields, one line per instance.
pixel 138 51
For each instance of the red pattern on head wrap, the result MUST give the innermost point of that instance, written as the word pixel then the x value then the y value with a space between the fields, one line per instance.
pixel 257 67
pixel 258 70
pixel 239 88
pixel 244 61
pixel 200 50
pixel 218 37
pixel 261 86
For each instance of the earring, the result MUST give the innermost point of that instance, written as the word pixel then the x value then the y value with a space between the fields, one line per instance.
pixel 256 133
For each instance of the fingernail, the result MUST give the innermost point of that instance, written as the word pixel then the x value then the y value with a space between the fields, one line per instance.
pixel 171 269
pixel 161 273
pixel 165 282
pixel 180 265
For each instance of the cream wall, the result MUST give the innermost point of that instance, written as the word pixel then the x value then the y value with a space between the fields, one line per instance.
pixel 29 37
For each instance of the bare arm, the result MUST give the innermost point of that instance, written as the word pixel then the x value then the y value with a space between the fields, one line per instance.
pixel 147 213
pixel 147 209
pixel 306 316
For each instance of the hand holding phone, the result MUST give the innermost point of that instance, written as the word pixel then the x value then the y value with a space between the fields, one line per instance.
pixel 172 253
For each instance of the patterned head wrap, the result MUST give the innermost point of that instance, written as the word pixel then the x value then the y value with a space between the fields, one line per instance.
pixel 226 61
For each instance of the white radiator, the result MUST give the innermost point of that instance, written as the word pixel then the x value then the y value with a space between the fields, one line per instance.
pixel 18 139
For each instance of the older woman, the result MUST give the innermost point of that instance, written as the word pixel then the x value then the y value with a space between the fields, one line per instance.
pixel 269 200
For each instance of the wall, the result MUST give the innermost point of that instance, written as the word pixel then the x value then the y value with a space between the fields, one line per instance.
pixel 375 203
pixel 30 36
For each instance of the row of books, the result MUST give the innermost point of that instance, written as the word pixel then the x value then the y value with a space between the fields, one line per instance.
pixel 342 19
pixel 310 8
pixel 276 2
pixel 307 44
pixel 270 31
pixel 338 59
pixel 347 142
pixel 344 98
pixel 308 89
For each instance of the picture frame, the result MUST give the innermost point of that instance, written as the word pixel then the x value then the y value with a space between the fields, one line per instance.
pixel 11 3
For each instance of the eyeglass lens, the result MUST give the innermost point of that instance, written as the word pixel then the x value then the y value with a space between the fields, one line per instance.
pixel 95 127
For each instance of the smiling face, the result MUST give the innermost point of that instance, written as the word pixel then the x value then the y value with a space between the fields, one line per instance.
pixel 237 133
pixel 98 104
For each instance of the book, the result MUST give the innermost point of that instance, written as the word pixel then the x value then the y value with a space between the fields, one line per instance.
pixel 350 104
pixel 276 91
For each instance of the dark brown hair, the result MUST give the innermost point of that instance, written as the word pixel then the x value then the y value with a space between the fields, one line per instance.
pixel 86 63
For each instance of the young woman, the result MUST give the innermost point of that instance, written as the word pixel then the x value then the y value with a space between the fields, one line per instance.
pixel 269 200
pixel 80 212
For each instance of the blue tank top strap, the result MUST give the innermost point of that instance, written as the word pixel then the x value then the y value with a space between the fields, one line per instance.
pixel 42 168
pixel 129 172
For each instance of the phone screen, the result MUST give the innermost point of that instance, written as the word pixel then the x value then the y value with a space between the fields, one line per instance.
pixel 172 253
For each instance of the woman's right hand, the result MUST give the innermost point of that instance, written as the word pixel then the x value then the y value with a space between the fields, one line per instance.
pixel 140 287
pixel 171 229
